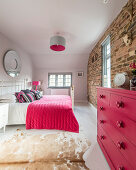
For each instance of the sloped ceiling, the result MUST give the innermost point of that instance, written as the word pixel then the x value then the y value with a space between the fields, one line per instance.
pixel 31 23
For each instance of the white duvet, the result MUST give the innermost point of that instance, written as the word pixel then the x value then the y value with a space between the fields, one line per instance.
pixel 17 113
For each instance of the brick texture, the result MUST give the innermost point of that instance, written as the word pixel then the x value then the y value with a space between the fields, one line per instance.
pixel 120 53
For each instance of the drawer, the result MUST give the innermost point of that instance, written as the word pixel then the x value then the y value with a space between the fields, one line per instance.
pixel 129 107
pixel 102 110
pixel 102 97
pixel 124 146
pixel 125 126
pixel 102 104
pixel 112 153
pixel 124 105
pixel 116 103
pixel 3 116
pixel 101 117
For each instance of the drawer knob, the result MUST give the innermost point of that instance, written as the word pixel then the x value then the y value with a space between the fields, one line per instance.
pixel 101 96
pixel 119 104
pixel 121 168
pixel 102 121
pixel 121 145
pixel 120 124
pixel 101 108
pixel 102 137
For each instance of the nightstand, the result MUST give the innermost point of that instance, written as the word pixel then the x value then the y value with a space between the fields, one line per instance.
pixel 3 115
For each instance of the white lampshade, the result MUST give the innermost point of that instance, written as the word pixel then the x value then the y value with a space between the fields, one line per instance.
pixel 57 43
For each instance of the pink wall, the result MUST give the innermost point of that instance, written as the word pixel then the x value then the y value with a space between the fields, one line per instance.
pixel 26 71
pixel 80 84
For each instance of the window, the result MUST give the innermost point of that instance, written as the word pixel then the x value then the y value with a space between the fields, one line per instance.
pixel 106 55
pixel 59 80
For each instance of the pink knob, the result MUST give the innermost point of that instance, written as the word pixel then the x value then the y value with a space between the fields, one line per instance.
pixel 121 168
pixel 102 137
pixel 101 108
pixel 101 96
pixel 102 121
pixel 121 145
pixel 119 104
pixel 120 124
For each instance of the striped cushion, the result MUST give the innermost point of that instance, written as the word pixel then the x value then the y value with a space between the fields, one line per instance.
pixel 37 94
pixel 21 97
pixel 30 96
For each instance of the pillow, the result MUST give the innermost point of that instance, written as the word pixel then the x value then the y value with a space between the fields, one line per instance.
pixel 26 91
pixel 30 96
pixel 16 95
pixel 21 97
pixel 37 94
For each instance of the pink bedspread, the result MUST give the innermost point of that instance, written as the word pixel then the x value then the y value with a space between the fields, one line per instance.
pixel 52 112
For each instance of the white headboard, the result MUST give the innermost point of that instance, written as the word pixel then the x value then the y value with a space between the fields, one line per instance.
pixel 12 86
pixel 59 91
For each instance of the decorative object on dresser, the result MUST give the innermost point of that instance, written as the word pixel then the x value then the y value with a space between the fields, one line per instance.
pixel 3 115
pixel 133 80
pixel 116 127
pixel 36 83
pixel 121 80
pixel 12 63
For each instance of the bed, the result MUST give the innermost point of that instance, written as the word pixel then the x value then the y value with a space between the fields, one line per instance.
pixel 50 112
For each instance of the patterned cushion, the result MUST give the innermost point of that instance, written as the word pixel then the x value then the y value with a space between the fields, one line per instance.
pixel 21 97
pixel 30 96
pixel 26 91
pixel 37 94
pixel 16 94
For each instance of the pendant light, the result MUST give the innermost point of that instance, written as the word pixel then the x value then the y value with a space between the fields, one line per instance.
pixel 57 43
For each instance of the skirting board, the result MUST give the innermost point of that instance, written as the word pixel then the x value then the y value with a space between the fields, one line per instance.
pixel 81 101
pixel 94 109
pixel 93 157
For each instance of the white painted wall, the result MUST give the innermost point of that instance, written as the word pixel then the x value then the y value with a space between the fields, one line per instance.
pixel 26 71
pixel 80 84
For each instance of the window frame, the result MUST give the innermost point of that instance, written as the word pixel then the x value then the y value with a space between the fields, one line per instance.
pixel 105 57
pixel 56 80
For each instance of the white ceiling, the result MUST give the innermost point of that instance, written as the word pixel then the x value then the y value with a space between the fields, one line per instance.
pixel 31 23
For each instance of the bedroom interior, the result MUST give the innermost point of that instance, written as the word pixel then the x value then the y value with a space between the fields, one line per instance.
pixel 67 85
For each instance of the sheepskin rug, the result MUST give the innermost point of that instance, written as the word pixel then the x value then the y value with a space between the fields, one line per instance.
pixel 60 151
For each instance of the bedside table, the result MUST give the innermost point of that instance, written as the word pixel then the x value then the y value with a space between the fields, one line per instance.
pixel 3 115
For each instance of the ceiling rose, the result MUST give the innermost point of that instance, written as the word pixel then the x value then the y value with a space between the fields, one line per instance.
pixel 57 43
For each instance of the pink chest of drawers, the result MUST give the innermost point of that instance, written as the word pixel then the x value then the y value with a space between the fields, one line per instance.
pixel 116 127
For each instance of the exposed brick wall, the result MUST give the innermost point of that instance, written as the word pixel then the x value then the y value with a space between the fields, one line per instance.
pixel 120 57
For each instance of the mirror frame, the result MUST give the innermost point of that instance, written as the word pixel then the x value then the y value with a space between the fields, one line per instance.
pixel 15 75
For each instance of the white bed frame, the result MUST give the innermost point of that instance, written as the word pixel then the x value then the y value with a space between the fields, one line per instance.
pixel 72 96
pixel 9 87
pixel 12 86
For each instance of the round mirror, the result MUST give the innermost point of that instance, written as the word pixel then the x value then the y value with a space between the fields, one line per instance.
pixel 12 63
